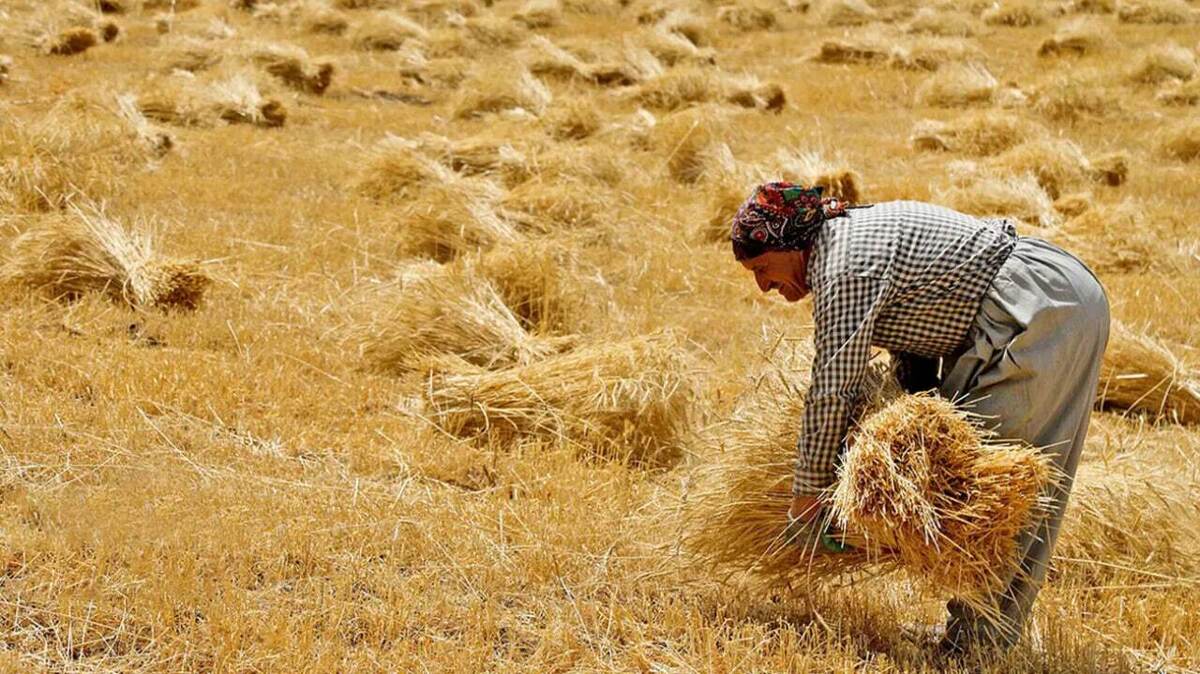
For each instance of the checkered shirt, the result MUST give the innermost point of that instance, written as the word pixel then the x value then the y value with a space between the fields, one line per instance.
pixel 904 276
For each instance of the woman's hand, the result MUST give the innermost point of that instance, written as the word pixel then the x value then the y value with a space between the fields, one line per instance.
pixel 805 508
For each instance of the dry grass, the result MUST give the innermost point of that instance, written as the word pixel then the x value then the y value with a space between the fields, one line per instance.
pixel 625 400
pixel 1142 374
pixel 85 252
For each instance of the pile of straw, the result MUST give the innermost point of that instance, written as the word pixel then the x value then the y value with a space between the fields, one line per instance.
pixel 386 31
pixel 70 41
pixel 1140 373
pixel 1072 95
pixel 843 12
pixel 539 13
pixel 575 119
pixel 941 23
pixel 811 168
pixel 185 101
pixel 981 192
pixel 447 220
pixel 430 312
pixel 1079 37
pixel 1173 92
pixel 623 400
pixel 293 67
pixel 957 85
pixel 6 63
pixel 1180 141
pixel 1056 164
pixel 747 17
pixel 1016 13
pixel 687 140
pixel 981 133
pixel 539 280
pixel 1155 11
pixel 398 169
pixel 84 252
pixel 502 88
pixel 1164 62
pixel 546 206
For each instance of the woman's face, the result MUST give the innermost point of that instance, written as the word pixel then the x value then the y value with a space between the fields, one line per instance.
pixel 782 270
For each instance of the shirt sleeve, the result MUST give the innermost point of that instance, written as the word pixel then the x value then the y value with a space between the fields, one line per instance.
pixel 844 313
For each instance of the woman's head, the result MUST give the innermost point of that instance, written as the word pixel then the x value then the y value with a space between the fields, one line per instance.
pixel 773 231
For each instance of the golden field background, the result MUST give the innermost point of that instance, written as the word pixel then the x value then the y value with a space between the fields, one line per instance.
pixel 252 486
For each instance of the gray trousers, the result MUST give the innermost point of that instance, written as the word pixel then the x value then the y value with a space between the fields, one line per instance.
pixel 1030 369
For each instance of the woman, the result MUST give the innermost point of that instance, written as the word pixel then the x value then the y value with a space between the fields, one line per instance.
pixel 1018 325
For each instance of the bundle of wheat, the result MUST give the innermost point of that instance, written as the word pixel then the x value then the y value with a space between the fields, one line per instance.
pixel 811 168
pixel 987 194
pixel 934 53
pixel 1181 140
pixel 539 13
pixel 1140 373
pixel 536 278
pixel 687 139
pixel 544 58
pixel 957 85
pixel 502 88
pixel 84 251
pixel 397 168
pixel 433 311
pixel 1094 6
pixel 1164 62
pixel 921 482
pixel 941 23
pixel 1079 37
pixel 154 139
pixel 185 101
pixel 687 25
pixel 293 67
pixel 386 31
pixel 545 206
pixel 625 400
pixel 444 221
pixel 6 64
pixel 1155 11
pixel 858 49
pixel 493 32
pixel 190 54
pixel 1111 169
pixel 672 49
pixel 632 65
pixel 1018 13
pixel 1057 164
pixel 979 133
pixel 681 87
pixel 726 193
pixel 747 17
pixel 1173 92
pixel 69 41
pixel 843 12
pixel 493 153
pixel 1075 94
pixel 748 91
pixel 314 16
pixel 1129 517
pixel 573 119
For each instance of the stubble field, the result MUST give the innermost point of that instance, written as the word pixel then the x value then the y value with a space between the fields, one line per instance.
pixel 382 335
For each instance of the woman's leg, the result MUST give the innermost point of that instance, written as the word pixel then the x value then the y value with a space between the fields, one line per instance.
pixel 1031 373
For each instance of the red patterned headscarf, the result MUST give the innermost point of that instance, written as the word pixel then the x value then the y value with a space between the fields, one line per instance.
pixel 783 215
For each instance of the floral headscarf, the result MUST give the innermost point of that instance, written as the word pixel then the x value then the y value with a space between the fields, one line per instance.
pixel 783 215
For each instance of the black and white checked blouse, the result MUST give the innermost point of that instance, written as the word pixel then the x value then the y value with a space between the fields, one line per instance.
pixel 902 275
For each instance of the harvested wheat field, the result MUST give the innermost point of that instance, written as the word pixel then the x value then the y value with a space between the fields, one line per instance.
pixel 383 336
